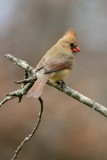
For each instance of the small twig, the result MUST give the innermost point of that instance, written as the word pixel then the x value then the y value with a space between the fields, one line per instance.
pixel 28 80
pixel 16 94
pixel 7 98
pixel 32 132
pixel 26 75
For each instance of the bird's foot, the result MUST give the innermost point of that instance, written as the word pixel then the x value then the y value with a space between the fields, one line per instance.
pixel 61 84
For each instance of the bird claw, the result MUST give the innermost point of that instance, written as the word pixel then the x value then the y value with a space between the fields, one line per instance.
pixel 61 84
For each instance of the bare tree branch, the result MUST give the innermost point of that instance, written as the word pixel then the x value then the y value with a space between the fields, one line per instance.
pixel 20 63
pixel 29 81
pixel 70 92
pixel 32 132
pixel 18 93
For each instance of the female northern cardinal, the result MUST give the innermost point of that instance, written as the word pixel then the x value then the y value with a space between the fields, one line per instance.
pixel 56 64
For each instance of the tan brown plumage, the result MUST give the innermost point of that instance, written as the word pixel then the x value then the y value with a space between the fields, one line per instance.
pixel 56 64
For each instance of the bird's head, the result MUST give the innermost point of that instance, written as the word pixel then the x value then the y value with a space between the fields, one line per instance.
pixel 70 40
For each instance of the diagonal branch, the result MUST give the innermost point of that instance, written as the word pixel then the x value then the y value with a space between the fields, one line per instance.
pixel 67 90
pixel 81 98
pixel 20 63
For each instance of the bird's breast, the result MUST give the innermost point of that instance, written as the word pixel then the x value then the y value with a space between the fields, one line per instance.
pixel 59 75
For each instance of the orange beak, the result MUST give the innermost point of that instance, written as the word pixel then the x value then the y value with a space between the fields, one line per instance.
pixel 76 49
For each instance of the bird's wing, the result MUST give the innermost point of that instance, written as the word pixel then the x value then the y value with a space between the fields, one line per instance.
pixel 55 65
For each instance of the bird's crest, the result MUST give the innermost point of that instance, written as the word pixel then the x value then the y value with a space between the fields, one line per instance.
pixel 70 32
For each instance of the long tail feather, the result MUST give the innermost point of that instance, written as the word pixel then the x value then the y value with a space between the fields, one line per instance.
pixel 37 88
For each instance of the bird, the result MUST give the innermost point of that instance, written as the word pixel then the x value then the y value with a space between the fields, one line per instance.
pixel 56 64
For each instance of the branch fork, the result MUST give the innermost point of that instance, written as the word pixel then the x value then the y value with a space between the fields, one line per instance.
pixel 29 79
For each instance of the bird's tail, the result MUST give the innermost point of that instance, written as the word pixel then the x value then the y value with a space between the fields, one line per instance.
pixel 37 88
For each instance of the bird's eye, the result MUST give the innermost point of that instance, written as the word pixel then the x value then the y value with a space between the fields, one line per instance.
pixel 72 45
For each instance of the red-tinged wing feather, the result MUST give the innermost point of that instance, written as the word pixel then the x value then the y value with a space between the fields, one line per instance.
pixel 56 65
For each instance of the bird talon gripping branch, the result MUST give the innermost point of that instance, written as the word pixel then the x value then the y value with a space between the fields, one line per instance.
pixel 62 84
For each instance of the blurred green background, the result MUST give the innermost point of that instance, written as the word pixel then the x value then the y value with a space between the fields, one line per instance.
pixel 69 129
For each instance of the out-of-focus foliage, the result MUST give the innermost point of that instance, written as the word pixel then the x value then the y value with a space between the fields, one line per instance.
pixel 69 130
